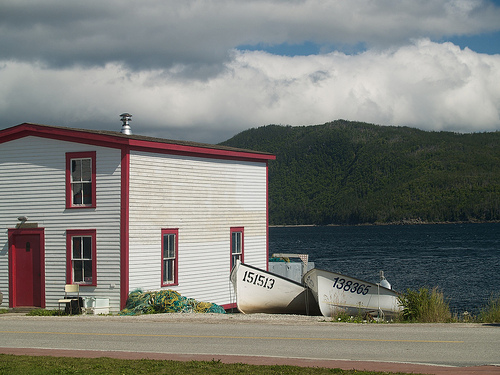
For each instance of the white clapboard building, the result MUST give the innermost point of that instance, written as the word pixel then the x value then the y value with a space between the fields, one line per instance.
pixel 114 212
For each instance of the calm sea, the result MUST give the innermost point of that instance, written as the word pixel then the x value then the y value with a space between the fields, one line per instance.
pixel 462 260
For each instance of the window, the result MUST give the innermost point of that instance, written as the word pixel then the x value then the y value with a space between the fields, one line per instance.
pixel 80 179
pixel 169 257
pixel 236 245
pixel 81 257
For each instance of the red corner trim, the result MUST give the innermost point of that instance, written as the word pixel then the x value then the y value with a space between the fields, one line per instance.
pixel 267 217
pixel 124 227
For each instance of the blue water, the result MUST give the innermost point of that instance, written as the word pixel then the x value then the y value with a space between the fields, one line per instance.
pixel 462 260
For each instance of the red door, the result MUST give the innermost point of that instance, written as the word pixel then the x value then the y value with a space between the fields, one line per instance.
pixel 26 268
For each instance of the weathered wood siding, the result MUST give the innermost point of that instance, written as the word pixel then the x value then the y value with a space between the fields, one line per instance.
pixel 203 198
pixel 32 183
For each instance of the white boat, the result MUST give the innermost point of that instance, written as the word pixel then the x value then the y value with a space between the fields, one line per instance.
pixel 259 291
pixel 336 293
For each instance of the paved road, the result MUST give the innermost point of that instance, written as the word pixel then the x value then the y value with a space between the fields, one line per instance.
pixel 209 337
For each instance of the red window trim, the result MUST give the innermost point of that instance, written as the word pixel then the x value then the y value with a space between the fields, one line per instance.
pixel 70 233
pixel 233 230
pixel 80 155
pixel 176 261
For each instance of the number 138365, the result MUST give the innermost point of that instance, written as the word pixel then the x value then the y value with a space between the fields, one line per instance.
pixel 350 286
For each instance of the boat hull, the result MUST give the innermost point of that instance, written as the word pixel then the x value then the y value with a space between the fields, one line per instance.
pixel 259 291
pixel 336 293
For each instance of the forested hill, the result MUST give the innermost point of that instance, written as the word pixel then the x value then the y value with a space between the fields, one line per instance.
pixel 351 173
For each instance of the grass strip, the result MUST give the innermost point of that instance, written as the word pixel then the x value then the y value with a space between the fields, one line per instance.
pixel 41 365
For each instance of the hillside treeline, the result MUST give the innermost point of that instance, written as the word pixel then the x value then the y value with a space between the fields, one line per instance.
pixel 352 173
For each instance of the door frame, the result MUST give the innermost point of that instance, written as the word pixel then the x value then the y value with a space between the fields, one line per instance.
pixel 12 233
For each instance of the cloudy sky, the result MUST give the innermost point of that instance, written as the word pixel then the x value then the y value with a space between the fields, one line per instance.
pixel 204 70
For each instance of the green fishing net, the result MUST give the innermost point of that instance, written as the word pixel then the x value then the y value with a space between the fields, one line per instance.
pixel 165 301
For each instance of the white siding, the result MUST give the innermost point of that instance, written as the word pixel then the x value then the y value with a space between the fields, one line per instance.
pixel 32 183
pixel 203 198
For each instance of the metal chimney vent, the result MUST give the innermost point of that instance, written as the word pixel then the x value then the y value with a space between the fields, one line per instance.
pixel 125 118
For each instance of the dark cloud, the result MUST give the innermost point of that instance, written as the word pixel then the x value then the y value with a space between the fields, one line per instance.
pixel 160 34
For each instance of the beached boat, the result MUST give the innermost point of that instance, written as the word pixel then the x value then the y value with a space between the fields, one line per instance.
pixel 337 293
pixel 259 291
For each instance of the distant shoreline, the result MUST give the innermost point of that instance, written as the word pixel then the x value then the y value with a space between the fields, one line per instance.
pixel 402 222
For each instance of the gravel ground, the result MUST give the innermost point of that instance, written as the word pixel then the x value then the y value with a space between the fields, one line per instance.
pixel 236 318
pixel 233 318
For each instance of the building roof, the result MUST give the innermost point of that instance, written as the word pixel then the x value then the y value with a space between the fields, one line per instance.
pixel 115 139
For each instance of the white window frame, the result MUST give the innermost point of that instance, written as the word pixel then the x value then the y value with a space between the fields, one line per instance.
pixel 74 184
pixel 84 237
pixel 237 245
pixel 169 257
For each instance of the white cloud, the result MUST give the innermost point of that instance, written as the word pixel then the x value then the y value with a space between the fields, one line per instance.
pixel 174 64
pixel 426 85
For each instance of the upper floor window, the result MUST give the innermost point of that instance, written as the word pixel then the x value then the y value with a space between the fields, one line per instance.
pixel 81 257
pixel 236 245
pixel 169 269
pixel 80 179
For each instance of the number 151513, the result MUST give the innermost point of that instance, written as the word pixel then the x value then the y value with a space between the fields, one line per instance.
pixel 259 280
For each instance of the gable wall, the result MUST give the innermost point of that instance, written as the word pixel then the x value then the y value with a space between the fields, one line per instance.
pixel 32 183
pixel 203 198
